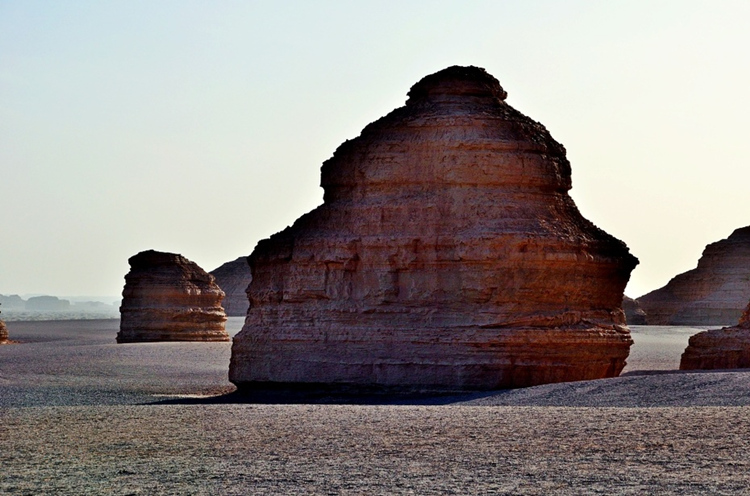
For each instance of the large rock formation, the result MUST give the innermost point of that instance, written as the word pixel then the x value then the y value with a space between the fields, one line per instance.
pixel 169 298
pixel 233 278
pixel 634 314
pixel 727 348
pixel 447 253
pixel 714 293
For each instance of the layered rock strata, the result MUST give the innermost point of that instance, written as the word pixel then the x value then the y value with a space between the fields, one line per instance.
pixel 727 348
pixel 447 254
pixel 233 278
pixel 714 293
pixel 169 298
pixel 634 314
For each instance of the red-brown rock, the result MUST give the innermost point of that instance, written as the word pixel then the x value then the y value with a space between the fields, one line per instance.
pixel 727 348
pixel 3 333
pixel 447 254
pixel 169 298
pixel 714 293
pixel 233 278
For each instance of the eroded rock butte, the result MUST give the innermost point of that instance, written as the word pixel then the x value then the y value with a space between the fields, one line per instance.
pixel 3 333
pixel 447 254
pixel 233 278
pixel 714 293
pixel 169 298
pixel 727 348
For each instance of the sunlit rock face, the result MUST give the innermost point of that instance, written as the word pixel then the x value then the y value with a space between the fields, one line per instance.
pixel 3 333
pixel 714 293
pixel 447 254
pixel 169 298
pixel 233 278
pixel 727 348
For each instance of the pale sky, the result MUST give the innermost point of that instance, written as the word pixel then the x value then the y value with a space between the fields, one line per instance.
pixel 199 127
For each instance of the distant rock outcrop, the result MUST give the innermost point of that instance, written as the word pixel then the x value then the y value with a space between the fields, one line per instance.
pixel 447 254
pixel 634 314
pixel 169 298
pixel 233 278
pixel 12 302
pixel 727 348
pixel 714 293
pixel 47 304
pixel 3 333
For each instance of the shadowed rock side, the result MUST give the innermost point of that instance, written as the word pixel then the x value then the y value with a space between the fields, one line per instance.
pixel 169 298
pixel 447 254
pixel 634 314
pixel 714 293
pixel 727 348
pixel 233 278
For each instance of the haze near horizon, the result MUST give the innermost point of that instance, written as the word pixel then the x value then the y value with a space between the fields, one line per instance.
pixel 200 128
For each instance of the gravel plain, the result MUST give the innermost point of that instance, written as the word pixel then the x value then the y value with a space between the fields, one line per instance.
pixel 82 415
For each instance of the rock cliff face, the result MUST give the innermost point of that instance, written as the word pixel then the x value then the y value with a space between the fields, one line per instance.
pixel 634 314
pixel 3 333
pixel 447 254
pixel 233 278
pixel 169 298
pixel 727 348
pixel 714 293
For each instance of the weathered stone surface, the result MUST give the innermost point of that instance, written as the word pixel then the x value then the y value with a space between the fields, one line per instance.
pixel 169 298
pixel 447 254
pixel 233 278
pixel 714 293
pixel 727 348
pixel 634 314
pixel 3 333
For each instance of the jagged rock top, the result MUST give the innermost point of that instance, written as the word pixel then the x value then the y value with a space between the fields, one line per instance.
pixel 457 84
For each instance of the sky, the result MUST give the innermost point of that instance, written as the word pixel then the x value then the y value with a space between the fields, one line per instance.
pixel 199 127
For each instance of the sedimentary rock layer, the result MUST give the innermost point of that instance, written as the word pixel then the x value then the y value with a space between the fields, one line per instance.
pixel 169 298
pixel 233 278
pixel 727 348
pixel 447 253
pixel 714 293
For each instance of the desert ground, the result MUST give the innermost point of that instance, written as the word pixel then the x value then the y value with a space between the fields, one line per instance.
pixel 80 414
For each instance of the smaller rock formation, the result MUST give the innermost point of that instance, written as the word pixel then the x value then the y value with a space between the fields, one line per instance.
pixel 634 314
pixel 169 298
pixel 727 348
pixel 714 293
pixel 3 333
pixel 233 278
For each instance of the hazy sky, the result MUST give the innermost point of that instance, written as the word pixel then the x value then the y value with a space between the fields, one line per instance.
pixel 199 127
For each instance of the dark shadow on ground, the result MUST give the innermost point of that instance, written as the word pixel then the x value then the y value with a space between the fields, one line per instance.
pixel 332 395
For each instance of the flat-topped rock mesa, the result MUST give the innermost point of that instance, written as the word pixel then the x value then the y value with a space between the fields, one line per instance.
pixel 447 254
pixel 233 278
pixel 726 348
pixel 169 298
pixel 634 314
pixel 714 293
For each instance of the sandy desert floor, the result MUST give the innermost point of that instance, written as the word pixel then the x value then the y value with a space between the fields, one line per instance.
pixel 80 414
